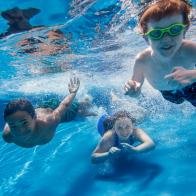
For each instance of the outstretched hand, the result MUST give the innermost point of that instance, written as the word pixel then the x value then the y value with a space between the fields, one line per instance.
pixel 74 85
pixel 181 76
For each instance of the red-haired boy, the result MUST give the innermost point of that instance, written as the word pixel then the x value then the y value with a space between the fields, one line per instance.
pixel 169 62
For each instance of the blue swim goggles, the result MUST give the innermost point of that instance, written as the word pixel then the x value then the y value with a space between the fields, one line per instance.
pixel 172 30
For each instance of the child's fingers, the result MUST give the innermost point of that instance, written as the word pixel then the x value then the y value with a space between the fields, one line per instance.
pixel 177 68
pixel 78 81
pixel 125 90
pixel 75 80
pixel 71 81
pixel 123 145
pixel 128 90
pixel 69 85
pixel 169 76
pixel 128 86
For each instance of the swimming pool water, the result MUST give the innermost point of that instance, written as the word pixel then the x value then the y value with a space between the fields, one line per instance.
pixel 102 46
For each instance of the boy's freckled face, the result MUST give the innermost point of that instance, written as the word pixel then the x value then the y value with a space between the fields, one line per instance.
pixel 20 123
pixel 168 45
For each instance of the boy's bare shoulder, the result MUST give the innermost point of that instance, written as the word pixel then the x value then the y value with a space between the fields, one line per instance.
pixel 7 135
pixel 189 47
pixel 45 115
pixel 143 56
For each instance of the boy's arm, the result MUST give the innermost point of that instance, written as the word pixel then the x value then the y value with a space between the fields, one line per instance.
pixel 146 142
pixel 132 87
pixel 138 75
pixel 59 112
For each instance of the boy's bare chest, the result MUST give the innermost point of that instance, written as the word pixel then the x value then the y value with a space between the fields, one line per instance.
pixel 155 72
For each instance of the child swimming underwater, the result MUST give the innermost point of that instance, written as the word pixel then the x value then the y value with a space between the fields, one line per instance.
pixel 169 62
pixel 118 136
pixel 28 127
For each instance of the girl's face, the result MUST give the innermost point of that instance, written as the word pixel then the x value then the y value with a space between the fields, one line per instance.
pixel 123 128
pixel 168 45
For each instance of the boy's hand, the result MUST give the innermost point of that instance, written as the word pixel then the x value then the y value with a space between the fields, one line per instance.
pixel 114 152
pixel 181 76
pixel 74 85
pixel 131 87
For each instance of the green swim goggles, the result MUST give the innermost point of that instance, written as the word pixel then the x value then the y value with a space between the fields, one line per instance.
pixel 172 30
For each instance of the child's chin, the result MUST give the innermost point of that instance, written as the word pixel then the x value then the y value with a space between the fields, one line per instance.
pixel 124 137
pixel 167 53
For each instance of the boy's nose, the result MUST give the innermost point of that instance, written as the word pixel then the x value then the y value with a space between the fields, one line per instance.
pixel 166 36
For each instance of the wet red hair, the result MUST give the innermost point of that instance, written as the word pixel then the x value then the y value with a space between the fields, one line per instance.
pixel 162 8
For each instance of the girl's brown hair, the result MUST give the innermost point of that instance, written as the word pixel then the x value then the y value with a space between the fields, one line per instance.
pixel 110 121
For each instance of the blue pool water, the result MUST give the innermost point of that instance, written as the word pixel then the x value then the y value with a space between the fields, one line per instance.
pixel 102 45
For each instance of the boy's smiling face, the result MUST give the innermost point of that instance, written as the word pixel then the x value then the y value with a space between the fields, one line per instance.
pixel 168 45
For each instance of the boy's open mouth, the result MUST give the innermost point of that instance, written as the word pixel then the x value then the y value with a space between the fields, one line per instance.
pixel 166 47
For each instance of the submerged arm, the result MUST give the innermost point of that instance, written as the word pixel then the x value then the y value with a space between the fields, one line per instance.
pixel 132 87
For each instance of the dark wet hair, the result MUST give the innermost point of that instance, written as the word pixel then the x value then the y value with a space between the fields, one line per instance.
pixel 19 105
pixel 110 121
